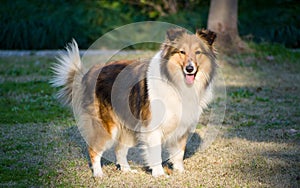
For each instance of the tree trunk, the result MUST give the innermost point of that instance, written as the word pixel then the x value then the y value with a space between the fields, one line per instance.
pixel 222 19
pixel 171 6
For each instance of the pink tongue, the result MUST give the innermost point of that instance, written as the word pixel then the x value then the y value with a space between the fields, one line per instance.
pixel 189 78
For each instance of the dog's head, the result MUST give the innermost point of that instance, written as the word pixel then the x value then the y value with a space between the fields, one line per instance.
pixel 189 56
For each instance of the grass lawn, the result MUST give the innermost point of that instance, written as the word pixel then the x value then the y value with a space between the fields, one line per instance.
pixel 257 146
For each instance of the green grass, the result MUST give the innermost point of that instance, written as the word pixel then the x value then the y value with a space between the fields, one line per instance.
pixel 241 93
pixel 27 116
pixel 27 102
pixel 276 53
pixel 25 93
pixel 258 145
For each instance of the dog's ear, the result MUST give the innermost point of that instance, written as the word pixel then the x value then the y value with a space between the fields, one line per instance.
pixel 174 33
pixel 207 35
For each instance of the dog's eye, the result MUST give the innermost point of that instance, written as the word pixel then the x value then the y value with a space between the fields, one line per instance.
pixel 182 52
pixel 197 52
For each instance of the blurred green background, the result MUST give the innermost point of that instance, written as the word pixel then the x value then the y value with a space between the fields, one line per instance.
pixel 36 24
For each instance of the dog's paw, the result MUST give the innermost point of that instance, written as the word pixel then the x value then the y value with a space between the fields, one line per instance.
pixel 97 173
pixel 178 167
pixel 125 168
pixel 131 171
pixel 158 171
pixel 128 169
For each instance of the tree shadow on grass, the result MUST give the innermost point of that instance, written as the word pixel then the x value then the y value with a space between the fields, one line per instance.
pixel 263 116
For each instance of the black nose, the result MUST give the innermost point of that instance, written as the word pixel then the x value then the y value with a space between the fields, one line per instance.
pixel 189 68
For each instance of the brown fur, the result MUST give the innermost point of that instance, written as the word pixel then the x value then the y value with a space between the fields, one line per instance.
pixel 92 154
pixel 181 47
pixel 112 101
pixel 138 94
pixel 175 60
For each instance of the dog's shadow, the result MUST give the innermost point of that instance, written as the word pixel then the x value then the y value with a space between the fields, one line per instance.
pixel 193 145
pixel 135 154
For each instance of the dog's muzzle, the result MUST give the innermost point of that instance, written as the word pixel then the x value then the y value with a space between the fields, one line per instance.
pixel 190 73
pixel 189 69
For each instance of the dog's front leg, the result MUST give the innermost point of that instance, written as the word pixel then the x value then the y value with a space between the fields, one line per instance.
pixel 153 149
pixel 176 151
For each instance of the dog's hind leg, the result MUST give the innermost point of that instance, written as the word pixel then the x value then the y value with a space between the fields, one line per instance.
pixel 121 156
pixel 95 157
pixel 95 151
pixel 98 140
pixel 126 140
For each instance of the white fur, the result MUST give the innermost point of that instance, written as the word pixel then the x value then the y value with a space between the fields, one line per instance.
pixel 177 159
pixel 67 63
pixel 193 65
pixel 97 167
pixel 121 156
pixel 175 111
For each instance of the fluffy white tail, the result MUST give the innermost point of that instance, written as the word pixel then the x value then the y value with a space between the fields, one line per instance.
pixel 65 71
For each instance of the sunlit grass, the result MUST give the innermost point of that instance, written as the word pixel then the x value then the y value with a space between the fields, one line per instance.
pixel 257 145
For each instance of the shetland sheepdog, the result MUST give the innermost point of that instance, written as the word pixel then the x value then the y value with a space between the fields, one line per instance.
pixel 153 103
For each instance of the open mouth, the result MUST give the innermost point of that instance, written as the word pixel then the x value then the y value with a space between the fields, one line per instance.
pixel 190 78
pixel 190 73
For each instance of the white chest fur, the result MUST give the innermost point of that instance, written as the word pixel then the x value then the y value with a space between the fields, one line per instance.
pixel 175 109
